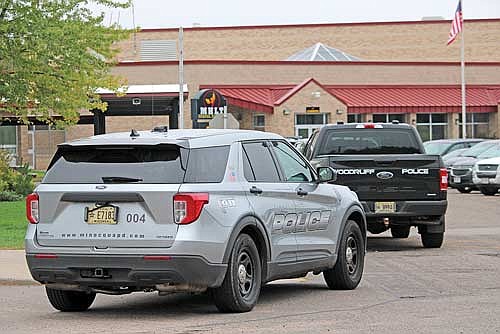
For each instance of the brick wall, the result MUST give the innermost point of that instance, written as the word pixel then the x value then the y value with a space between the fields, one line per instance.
pixel 410 41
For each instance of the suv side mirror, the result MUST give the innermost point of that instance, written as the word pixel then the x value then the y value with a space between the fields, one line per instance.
pixel 326 174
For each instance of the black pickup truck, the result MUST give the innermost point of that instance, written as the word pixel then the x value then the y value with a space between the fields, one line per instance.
pixel 398 184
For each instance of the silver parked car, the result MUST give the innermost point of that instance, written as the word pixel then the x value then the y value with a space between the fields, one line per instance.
pixel 188 210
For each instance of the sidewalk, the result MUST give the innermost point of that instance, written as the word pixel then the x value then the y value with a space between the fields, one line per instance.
pixel 13 268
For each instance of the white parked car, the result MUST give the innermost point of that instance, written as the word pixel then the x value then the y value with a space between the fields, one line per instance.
pixel 486 175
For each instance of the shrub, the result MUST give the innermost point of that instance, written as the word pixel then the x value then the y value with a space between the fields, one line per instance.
pixel 9 196
pixel 14 182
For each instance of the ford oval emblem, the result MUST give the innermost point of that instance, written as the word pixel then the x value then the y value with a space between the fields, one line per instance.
pixel 385 175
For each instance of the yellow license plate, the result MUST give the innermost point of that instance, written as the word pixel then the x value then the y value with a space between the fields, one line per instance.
pixel 385 207
pixel 105 215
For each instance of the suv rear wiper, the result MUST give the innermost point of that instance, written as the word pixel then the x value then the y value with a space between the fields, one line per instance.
pixel 119 179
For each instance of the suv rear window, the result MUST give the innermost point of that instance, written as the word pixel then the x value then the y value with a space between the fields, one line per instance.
pixel 369 141
pixel 159 164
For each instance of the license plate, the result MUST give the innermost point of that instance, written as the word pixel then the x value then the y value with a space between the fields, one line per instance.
pixel 485 181
pixel 101 214
pixel 385 207
pixel 456 179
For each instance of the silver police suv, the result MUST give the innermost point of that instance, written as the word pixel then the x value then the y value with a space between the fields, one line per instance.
pixel 188 210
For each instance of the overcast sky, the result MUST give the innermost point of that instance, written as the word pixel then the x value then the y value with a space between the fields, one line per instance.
pixel 167 13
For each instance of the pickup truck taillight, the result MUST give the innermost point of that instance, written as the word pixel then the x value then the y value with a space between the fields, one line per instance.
pixel 188 206
pixel 443 179
pixel 32 208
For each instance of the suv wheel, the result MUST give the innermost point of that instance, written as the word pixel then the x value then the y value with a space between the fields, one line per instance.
pixel 347 272
pixel 69 301
pixel 432 240
pixel 464 190
pixel 241 286
pixel 400 232
pixel 488 191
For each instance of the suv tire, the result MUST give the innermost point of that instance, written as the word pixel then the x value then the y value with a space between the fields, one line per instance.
pixel 488 191
pixel 69 301
pixel 348 270
pixel 240 289
pixel 432 240
pixel 464 190
pixel 400 232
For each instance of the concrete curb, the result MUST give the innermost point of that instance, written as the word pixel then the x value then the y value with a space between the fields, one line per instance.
pixel 14 282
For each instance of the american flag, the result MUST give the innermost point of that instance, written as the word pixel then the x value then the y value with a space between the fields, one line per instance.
pixel 456 25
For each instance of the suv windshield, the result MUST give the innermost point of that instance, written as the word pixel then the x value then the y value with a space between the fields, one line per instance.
pixel 436 147
pixel 369 141
pixel 492 152
pixel 476 150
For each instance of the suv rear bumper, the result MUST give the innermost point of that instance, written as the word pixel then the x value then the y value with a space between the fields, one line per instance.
pixel 409 212
pixel 125 270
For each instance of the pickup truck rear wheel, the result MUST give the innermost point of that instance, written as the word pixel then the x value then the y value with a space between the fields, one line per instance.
pixel 464 190
pixel 69 301
pixel 347 272
pixel 488 191
pixel 240 289
pixel 432 240
pixel 400 232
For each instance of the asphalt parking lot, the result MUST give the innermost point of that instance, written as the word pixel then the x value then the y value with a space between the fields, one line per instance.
pixel 405 288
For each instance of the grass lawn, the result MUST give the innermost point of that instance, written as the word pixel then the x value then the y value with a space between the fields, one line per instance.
pixel 12 224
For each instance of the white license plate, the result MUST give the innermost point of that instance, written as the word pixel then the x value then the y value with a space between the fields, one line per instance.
pixel 456 179
pixel 385 207
pixel 485 181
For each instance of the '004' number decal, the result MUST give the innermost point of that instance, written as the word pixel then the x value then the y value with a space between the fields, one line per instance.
pixel 135 218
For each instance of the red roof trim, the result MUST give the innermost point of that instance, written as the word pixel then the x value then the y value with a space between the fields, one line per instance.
pixel 315 25
pixel 295 63
pixel 418 109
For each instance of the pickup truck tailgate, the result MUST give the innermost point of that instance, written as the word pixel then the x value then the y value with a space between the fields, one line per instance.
pixel 389 177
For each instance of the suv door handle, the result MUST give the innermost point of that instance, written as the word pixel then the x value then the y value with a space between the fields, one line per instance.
pixel 255 190
pixel 301 192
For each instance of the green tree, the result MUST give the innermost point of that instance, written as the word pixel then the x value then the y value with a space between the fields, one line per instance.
pixel 54 54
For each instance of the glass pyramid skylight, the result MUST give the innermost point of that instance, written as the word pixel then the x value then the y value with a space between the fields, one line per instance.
pixel 322 52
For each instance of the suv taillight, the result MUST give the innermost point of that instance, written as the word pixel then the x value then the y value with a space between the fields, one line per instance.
pixel 443 179
pixel 188 206
pixel 32 208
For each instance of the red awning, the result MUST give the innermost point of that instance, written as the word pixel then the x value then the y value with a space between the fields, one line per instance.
pixel 257 98
pixel 369 99
pixel 415 99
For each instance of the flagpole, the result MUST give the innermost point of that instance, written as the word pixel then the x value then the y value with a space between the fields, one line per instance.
pixel 462 67
pixel 181 79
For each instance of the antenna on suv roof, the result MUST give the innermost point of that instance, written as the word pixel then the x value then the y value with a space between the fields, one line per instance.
pixel 134 133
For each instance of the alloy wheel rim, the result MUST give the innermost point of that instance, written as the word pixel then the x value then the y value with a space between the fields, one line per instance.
pixel 245 273
pixel 351 255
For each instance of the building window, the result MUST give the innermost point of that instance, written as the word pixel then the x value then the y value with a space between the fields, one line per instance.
pixel 259 121
pixel 432 126
pixel 388 118
pixel 477 125
pixel 8 139
pixel 305 124
pixel 354 118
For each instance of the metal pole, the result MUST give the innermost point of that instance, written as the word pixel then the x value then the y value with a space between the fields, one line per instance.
pixel 181 78
pixel 225 117
pixel 462 66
